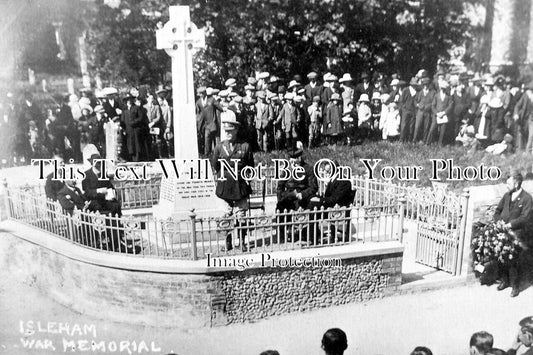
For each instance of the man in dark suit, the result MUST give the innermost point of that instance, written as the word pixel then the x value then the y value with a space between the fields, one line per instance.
pixel 234 192
pixel 523 120
pixel 423 101
pixel 313 88
pixel 441 110
pixel 101 193
pixel 294 194
pixel 71 197
pixel 515 209
pixel 111 104
pixel 365 87
pixel 338 193
pixel 407 107
pixel 53 186
pixel 210 121
pixel 95 128
pixel 199 108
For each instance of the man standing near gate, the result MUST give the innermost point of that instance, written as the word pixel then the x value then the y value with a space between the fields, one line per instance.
pixel 515 209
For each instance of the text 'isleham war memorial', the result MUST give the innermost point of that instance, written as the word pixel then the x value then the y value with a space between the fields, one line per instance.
pixel 266 176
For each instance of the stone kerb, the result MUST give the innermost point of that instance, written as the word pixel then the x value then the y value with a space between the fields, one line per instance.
pixel 189 294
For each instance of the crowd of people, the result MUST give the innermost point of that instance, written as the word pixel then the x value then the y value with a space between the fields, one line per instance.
pixel 490 112
pixel 140 121
pixel 335 342
pixel 466 109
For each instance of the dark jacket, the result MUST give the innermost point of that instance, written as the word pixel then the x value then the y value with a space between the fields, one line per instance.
pixel 111 110
pixel 524 109
pixel 338 192
pixel 308 187
pixel 209 119
pixel 262 118
pixel 231 189
pixel 440 105
pixel 517 212
pixel 311 92
pixel 69 198
pixel 52 187
pixel 360 89
pixel 91 183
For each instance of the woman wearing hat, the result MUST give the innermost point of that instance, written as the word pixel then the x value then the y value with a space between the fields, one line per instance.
pixel 346 90
pixel 235 193
pixel 364 116
pixel 332 119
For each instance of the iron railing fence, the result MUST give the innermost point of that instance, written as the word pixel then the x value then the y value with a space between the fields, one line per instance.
pixel 195 238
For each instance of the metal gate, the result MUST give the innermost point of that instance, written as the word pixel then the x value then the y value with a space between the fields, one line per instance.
pixel 441 224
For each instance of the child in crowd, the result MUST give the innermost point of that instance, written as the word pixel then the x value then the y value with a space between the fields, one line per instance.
pixel 376 113
pixel 391 123
pixel 364 116
pixel 348 124
pixel 315 116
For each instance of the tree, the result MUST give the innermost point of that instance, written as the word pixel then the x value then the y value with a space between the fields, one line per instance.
pixel 284 37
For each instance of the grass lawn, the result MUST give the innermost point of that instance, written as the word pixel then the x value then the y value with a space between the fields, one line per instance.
pixel 407 154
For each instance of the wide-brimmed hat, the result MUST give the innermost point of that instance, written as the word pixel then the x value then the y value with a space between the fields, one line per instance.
pixel 376 95
pixel 346 77
pixel 110 91
pixel 230 82
pixel 363 98
pixel 293 83
pixel 86 107
pixel 288 96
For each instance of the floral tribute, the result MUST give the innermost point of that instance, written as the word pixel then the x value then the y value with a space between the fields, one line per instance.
pixel 493 242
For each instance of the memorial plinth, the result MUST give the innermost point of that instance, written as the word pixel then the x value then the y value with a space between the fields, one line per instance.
pixel 179 196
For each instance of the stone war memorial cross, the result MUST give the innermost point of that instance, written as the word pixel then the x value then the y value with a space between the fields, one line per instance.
pixel 179 37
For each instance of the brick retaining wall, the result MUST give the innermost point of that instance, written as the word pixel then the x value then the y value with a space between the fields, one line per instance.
pixel 202 298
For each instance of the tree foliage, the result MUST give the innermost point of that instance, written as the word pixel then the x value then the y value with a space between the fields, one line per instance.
pixel 284 37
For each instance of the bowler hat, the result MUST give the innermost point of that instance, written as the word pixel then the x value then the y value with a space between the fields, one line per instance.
pixel 346 77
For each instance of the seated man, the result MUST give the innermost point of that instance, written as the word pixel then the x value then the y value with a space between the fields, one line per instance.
pixel 101 193
pixel 338 193
pixel 71 197
pixel 294 194
pixel 524 339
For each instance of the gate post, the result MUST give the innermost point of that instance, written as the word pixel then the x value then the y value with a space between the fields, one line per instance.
pixel 464 213
pixel 402 202
pixel 194 251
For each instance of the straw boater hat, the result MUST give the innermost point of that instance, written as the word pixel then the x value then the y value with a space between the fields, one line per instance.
pixel 231 82
pixel 293 83
pixel 288 96
pixel 110 91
